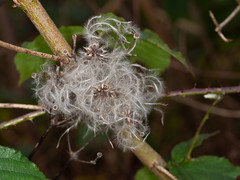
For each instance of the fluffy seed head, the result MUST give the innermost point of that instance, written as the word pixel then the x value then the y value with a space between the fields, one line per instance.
pixel 102 88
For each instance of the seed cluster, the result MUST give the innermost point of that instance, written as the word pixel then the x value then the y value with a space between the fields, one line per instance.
pixel 100 87
pixel 104 91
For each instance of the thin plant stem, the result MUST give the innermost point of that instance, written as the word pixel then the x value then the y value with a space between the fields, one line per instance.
pixel 32 52
pixel 88 142
pixel 202 91
pixel 40 142
pixel 20 119
pixel 53 123
pixel 20 106
pixel 74 155
pixel 229 18
pixel 200 128
pixel 219 27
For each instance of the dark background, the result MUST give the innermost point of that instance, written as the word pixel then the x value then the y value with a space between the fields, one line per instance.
pixel 184 25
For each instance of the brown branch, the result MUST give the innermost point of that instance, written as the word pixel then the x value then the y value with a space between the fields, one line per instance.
pixel 202 91
pixel 45 26
pixel 219 27
pixel 40 141
pixel 20 106
pixel 32 52
pixel 53 123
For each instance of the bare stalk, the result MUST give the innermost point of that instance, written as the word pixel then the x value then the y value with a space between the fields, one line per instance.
pixel 202 91
pixel 40 141
pixel 74 156
pixel 219 27
pixel 34 53
pixel 20 106
pixel 200 128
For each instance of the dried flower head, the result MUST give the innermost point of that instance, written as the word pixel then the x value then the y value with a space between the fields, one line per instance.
pixel 101 88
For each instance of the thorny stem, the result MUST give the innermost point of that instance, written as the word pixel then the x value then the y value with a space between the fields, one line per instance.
pixel 45 26
pixel 202 91
pixel 200 128
pixel 32 52
pixel 20 119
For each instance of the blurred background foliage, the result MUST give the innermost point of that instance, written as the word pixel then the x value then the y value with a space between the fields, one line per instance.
pixel 184 25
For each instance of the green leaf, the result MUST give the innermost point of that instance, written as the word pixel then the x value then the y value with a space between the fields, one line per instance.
pixel 205 168
pixel 154 53
pixel 180 151
pixel 13 165
pixel 145 174
pixel 28 64
pixel 68 31
pixel 111 15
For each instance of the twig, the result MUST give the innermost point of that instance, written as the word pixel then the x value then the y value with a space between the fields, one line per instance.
pixel 40 142
pixel 74 156
pixel 53 122
pixel 21 106
pixel 20 119
pixel 88 142
pixel 218 30
pixel 219 27
pixel 202 91
pixel 200 128
pixel 204 107
pixel 34 53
